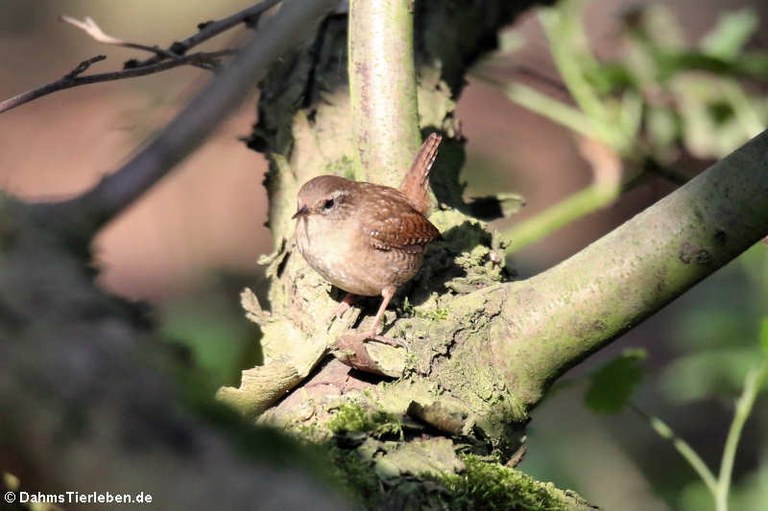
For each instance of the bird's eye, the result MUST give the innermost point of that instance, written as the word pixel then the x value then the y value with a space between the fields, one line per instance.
pixel 328 204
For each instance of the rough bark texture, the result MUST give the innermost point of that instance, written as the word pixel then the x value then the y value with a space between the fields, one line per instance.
pixel 554 320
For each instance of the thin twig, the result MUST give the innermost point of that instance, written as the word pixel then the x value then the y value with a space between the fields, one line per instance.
pixel 681 446
pixel 163 59
pixel 89 26
pixel 81 217
pixel 83 67
pixel 752 385
pixel 213 28
pixel 73 78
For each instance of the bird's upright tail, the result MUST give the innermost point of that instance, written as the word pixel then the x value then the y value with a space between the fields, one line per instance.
pixel 415 185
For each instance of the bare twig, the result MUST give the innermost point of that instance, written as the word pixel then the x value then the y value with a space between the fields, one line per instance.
pixel 74 78
pixel 162 59
pixel 83 67
pixel 82 216
pixel 213 28
pixel 89 26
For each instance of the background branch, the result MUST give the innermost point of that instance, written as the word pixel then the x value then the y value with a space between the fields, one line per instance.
pixel 82 216
pixel 88 403
pixel 159 62
pixel 89 26
pixel 74 78
pixel 211 29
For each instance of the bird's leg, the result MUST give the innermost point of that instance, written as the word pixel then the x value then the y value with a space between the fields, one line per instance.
pixel 348 301
pixel 387 293
pixel 350 346
pixel 343 307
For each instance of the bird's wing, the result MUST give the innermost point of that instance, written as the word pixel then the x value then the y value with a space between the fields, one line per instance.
pixel 396 225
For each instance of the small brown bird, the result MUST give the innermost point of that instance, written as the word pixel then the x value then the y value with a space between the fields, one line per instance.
pixel 364 238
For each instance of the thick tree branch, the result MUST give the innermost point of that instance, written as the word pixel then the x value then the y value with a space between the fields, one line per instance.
pixel 82 216
pixel 553 321
pixel 382 87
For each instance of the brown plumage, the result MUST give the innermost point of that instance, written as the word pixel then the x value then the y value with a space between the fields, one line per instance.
pixel 364 238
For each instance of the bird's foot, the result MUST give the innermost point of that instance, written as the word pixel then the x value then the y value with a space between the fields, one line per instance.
pixel 345 304
pixel 351 349
pixel 383 339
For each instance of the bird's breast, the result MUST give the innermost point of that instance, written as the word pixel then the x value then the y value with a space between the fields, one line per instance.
pixel 342 253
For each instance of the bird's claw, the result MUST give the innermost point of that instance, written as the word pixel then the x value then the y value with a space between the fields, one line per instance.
pixel 351 350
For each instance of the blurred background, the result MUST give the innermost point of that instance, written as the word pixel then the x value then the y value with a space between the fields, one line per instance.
pixel 192 243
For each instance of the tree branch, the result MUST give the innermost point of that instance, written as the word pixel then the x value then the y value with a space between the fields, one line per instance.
pixel 382 87
pixel 82 216
pixel 211 29
pixel 175 53
pixel 554 320
pixel 89 26
pixel 73 78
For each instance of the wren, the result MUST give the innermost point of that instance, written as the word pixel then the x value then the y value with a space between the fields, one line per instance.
pixel 364 238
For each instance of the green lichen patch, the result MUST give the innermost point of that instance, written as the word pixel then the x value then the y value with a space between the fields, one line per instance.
pixel 429 456
pixel 381 467
pixel 344 167
pixel 467 258
pixel 354 418
pixel 490 486
pixel 467 484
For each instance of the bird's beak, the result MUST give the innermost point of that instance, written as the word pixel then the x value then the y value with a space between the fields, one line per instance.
pixel 302 211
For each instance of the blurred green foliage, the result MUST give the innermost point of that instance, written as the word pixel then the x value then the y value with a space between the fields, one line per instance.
pixel 657 102
pixel 659 95
pixel 716 339
pixel 611 385
pixel 209 324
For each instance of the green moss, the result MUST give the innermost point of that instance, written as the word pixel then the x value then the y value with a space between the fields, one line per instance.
pixel 353 418
pixel 491 486
pixel 483 485
pixel 436 314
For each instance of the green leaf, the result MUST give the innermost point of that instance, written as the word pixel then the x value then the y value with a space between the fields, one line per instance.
pixel 732 32
pixel 764 335
pixel 611 385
